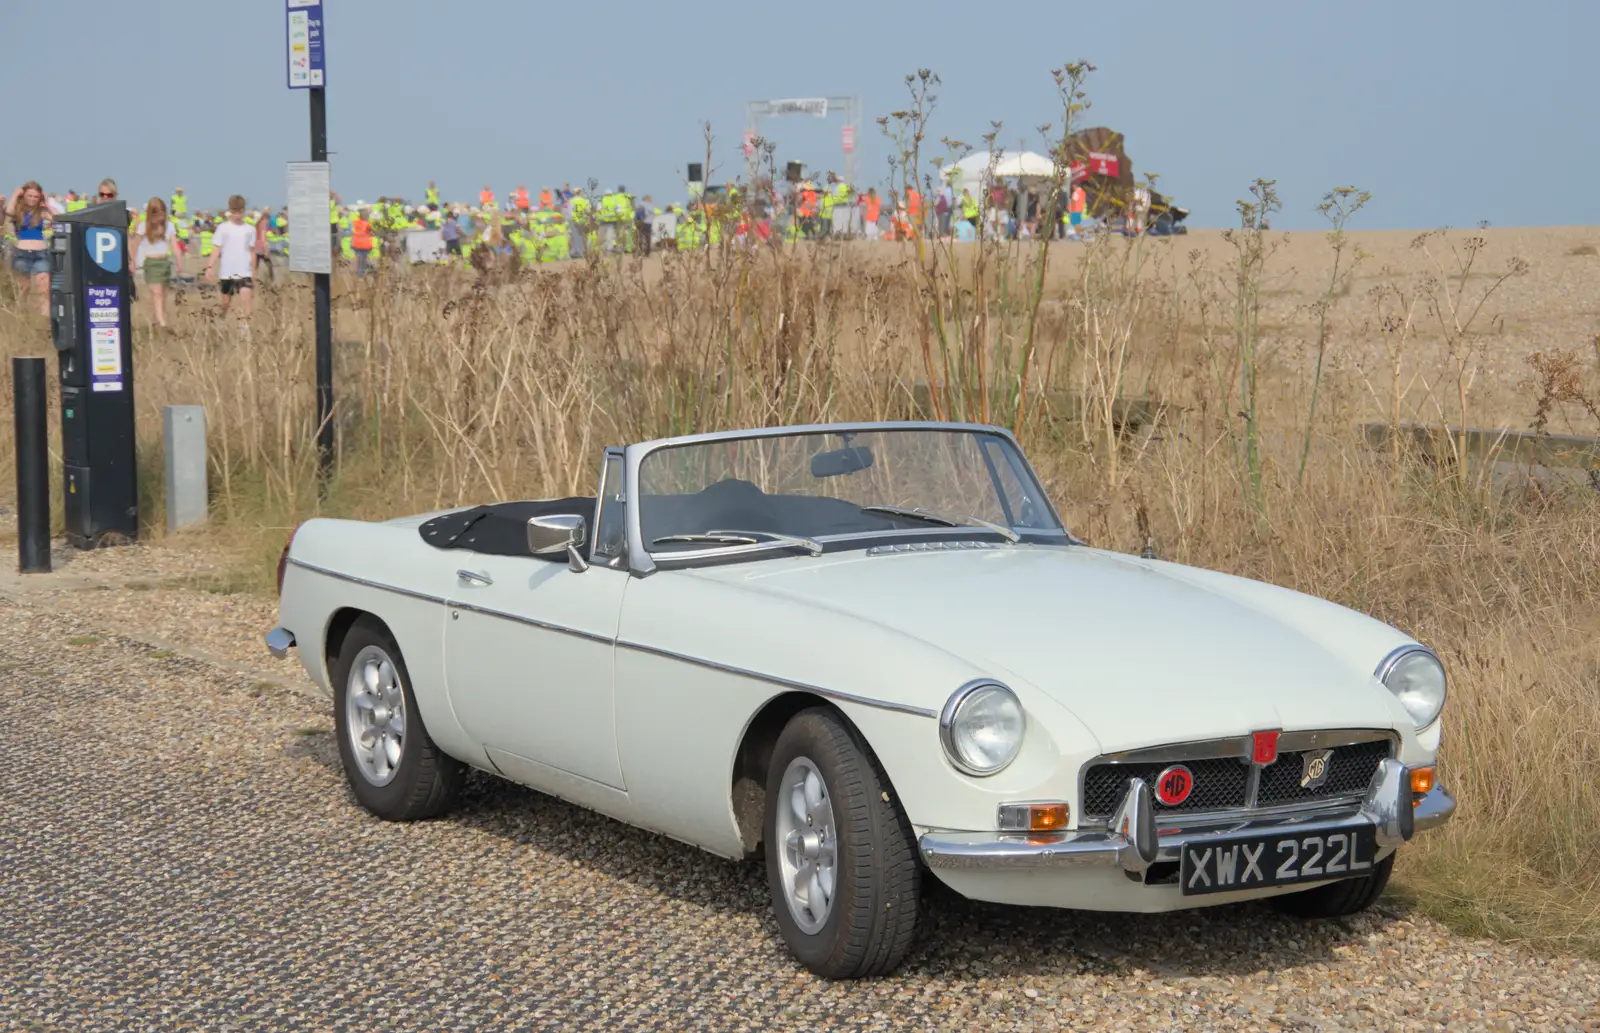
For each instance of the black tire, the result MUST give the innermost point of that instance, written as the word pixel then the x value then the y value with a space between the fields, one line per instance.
pixel 1337 899
pixel 426 781
pixel 872 920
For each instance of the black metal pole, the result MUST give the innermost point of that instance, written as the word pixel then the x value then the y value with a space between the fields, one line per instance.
pixel 33 466
pixel 322 290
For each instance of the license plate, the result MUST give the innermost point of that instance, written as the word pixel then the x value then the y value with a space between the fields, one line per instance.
pixel 1279 859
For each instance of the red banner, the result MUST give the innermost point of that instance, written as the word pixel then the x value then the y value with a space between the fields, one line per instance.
pixel 1104 164
pixel 849 137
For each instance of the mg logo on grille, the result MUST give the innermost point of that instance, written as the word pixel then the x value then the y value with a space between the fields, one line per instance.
pixel 1315 768
pixel 1174 785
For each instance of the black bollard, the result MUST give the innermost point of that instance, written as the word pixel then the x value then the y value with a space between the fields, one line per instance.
pixel 33 466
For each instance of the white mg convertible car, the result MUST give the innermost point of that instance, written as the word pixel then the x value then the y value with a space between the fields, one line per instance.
pixel 871 652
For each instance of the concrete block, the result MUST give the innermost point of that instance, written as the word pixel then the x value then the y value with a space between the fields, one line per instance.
pixel 184 431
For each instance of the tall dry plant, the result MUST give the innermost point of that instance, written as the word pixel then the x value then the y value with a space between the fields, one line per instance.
pixel 1338 206
pixel 1253 248
pixel 1457 310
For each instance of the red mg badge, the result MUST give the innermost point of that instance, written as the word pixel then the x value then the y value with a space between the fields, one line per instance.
pixel 1263 748
pixel 1174 785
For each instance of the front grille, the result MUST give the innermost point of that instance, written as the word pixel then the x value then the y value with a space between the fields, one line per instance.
pixel 1218 784
pixel 1224 783
pixel 1352 767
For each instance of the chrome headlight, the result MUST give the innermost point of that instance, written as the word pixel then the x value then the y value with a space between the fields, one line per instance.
pixel 1416 677
pixel 981 727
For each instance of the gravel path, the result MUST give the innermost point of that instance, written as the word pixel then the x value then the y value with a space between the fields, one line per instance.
pixel 178 852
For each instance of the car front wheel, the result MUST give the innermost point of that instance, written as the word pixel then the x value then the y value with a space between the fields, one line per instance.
pixel 841 855
pixel 393 767
pixel 1337 899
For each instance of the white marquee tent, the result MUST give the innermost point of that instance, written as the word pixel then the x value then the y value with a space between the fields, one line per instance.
pixel 971 171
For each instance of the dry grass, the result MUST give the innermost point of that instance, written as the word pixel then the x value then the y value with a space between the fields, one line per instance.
pixel 459 387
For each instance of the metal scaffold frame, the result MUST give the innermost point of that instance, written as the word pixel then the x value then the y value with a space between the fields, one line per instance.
pixel 817 107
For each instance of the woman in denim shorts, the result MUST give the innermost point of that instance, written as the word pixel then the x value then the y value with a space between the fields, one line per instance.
pixel 30 257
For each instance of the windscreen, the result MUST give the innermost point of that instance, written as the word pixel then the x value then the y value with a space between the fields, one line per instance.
pixel 839 483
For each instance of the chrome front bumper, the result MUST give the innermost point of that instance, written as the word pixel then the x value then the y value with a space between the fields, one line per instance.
pixel 1133 841
pixel 279 642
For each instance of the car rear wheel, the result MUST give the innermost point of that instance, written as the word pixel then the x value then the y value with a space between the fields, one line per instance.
pixel 841 855
pixel 393 767
pixel 1336 899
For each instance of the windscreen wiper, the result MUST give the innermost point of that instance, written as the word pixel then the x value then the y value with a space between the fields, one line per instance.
pixel 811 545
pixel 945 520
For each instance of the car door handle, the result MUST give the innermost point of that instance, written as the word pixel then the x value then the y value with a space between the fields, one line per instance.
pixel 474 576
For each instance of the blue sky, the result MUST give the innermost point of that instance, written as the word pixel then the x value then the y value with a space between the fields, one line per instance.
pixel 1451 112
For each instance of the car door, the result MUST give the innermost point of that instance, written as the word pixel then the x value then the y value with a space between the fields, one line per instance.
pixel 529 651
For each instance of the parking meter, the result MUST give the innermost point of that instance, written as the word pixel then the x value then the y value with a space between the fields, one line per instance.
pixel 91 324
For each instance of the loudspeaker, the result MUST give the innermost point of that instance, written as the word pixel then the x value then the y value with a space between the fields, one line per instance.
pixel 795 172
pixel 696 172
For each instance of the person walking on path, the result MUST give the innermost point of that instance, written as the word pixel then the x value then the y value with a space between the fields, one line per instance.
pixel 263 258
pixel 155 245
pixel 871 210
pixel 361 241
pixel 450 233
pixel 1075 209
pixel 969 209
pixel 643 225
pixel 30 260
pixel 233 256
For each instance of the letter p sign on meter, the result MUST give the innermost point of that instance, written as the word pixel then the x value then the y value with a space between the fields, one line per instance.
pixel 105 247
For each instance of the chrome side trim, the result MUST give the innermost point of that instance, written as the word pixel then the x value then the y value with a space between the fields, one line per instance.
pixel 638 647
pixel 366 583
pixel 847 697
pixel 453 604
pixel 279 642
pixel 532 622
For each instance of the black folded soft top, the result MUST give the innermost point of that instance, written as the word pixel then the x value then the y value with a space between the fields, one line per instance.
pixel 500 529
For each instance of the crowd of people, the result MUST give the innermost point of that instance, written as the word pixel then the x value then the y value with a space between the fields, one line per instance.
pixel 235 247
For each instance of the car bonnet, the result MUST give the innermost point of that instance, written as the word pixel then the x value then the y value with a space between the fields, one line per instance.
pixel 1137 651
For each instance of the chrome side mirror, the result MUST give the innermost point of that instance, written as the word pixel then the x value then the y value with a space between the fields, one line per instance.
pixel 559 532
